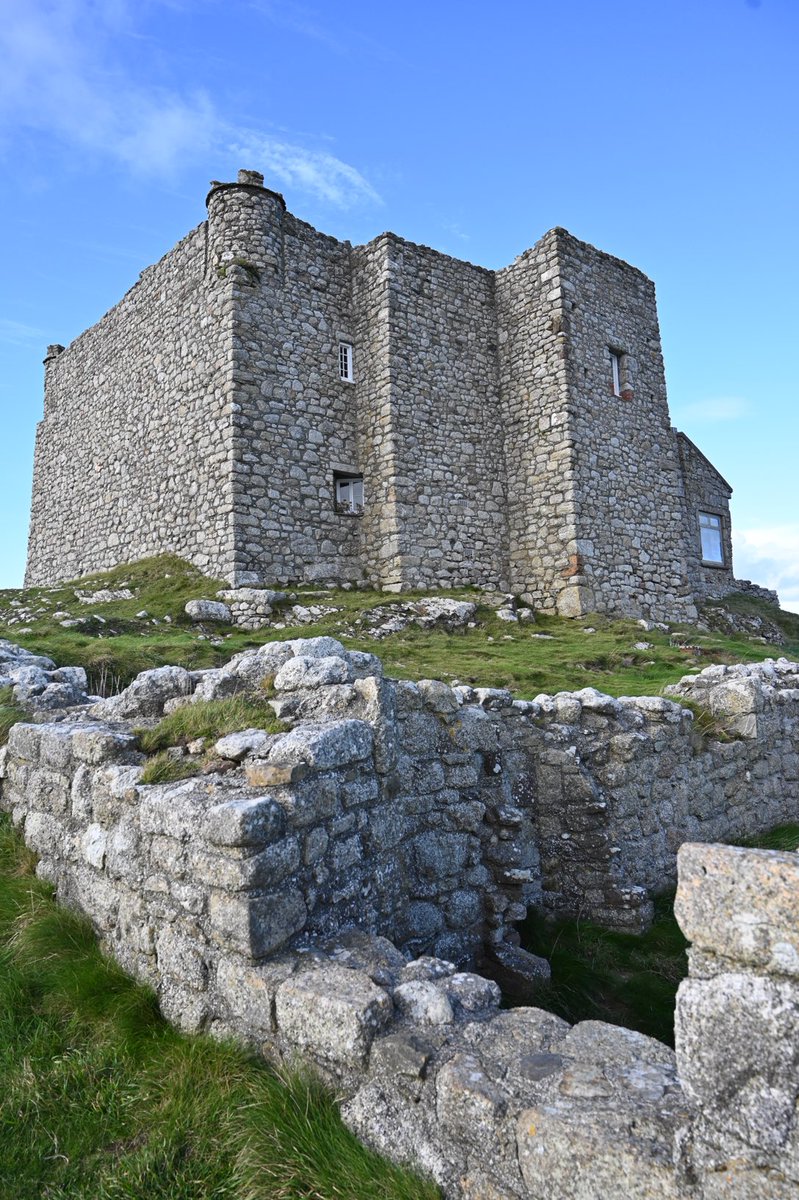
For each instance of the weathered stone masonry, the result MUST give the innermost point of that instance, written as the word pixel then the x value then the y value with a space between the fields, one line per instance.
pixel 254 902
pixel 206 415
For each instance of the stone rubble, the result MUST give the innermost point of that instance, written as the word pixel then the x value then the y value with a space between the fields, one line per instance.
pixel 37 683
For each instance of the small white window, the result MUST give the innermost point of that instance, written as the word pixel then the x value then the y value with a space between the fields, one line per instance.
pixel 710 533
pixel 348 491
pixel 615 371
pixel 345 362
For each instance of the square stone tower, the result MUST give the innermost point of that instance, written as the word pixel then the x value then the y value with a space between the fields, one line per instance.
pixel 277 406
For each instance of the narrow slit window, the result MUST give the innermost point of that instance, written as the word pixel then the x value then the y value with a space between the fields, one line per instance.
pixel 710 532
pixel 348 491
pixel 345 370
pixel 615 372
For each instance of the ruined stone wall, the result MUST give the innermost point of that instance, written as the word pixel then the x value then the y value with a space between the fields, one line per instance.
pixel 629 495
pixel 737 1022
pixel 706 491
pixel 252 901
pixel 133 452
pixel 438 816
pixel 539 448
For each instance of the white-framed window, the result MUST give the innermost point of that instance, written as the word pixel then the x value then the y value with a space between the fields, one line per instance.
pixel 348 492
pixel 615 372
pixel 345 365
pixel 710 532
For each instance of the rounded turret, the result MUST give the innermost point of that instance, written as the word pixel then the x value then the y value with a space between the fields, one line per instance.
pixel 245 228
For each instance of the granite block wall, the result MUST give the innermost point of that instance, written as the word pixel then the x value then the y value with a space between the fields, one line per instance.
pixel 206 415
pixel 446 427
pixel 253 900
pixel 295 421
pixel 706 491
pixel 133 452
pixel 629 488
pixel 539 447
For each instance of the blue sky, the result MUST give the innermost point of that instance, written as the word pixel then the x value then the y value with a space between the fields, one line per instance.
pixel 663 131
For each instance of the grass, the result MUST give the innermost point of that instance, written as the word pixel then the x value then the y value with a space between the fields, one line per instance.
pixel 706 724
pixel 101 1100
pixel 10 713
pixel 209 719
pixel 166 768
pixel 494 654
pixel 627 979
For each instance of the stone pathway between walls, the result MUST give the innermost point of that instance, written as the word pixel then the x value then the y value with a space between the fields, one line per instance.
pixel 301 899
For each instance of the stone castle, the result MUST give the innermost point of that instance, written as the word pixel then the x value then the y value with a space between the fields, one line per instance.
pixel 277 406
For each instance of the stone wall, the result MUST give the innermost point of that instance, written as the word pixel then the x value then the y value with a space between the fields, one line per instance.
pixel 133 452
pixel 182 883
pixel 437 816
pixel 706 491
pixel 629 490
pixel 295 420
pixel 539 449
pixel 737 1022
pixel 449 471
pixel 205 415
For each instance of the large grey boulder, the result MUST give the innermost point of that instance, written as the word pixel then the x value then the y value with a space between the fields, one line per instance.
pixel 207 610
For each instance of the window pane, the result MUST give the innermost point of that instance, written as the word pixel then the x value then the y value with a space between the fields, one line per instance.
pixel 712 550
pixel 357 491
pixel 616 373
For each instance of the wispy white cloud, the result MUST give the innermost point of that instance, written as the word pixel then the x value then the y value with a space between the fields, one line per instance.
pixel 770 556
pixel 63 77
pixel 317 172
pixel 15 333
pixel 713 408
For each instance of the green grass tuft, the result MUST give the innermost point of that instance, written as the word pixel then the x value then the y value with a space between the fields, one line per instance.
pixel 209 719
pixel 706 725
pixel 784 837
pixel 102 1100
pixel 167 768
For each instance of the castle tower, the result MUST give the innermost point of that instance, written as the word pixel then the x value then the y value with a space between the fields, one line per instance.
pixel 245 227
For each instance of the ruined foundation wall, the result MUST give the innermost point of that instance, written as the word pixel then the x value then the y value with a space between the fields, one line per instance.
pixel 133 453
pixel 235 896
pixel 437 816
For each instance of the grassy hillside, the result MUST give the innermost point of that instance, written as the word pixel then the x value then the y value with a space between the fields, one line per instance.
pixel 551 655
pixel 101 1100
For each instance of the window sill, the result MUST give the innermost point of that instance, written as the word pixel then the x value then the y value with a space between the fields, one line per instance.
pixel 716 566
